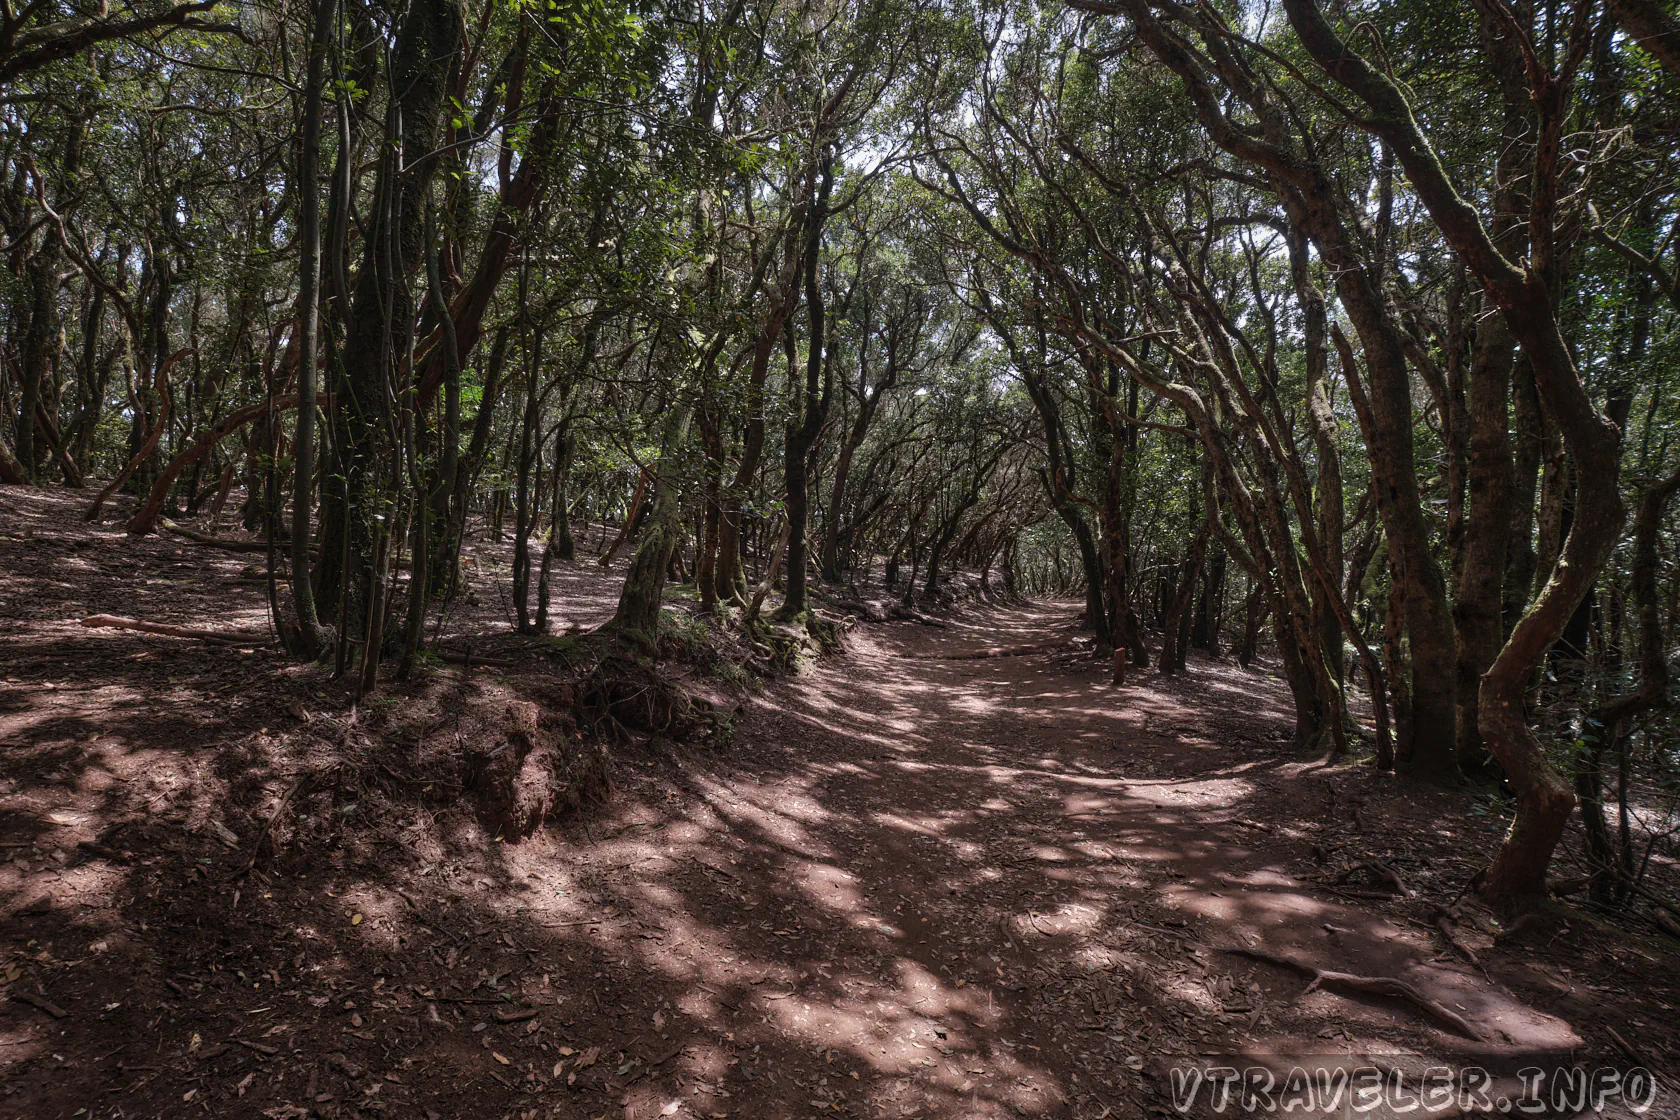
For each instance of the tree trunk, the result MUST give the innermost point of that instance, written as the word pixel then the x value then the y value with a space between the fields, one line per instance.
pixel 637 617
pixel 527 488
pixel 1253 617
pixel 1478 602
pixel 380 322
pixel 815 402
pixel 312 637
pixel 705 564
pixel 1396 674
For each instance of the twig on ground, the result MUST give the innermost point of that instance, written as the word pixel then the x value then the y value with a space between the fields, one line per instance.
pixel 41 1003
pixel 268 825
pixel 225 544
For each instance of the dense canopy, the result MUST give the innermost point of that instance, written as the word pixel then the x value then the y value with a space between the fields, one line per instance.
pixel 1338 338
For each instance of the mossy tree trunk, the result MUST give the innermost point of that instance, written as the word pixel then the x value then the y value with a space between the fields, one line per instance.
pixel 637 617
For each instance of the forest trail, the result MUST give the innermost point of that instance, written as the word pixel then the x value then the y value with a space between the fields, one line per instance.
pixel 917 884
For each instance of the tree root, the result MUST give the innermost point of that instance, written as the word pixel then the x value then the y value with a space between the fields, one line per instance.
pixel 1447 922
pixel 1369 985
pixel 527 765
pixel 627 694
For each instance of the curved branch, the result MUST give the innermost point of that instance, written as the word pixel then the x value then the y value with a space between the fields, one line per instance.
pixel 160 385
pixel 145 518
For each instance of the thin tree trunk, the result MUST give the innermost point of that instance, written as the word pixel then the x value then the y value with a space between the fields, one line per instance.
pixel 312 637
pixel 1478 602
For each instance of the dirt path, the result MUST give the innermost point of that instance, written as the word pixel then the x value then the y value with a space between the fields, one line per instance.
pixel 915 886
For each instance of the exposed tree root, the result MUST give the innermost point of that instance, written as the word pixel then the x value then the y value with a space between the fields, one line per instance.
pixel 868 611
pixel 1447 922
pixel 1368 985
pixel 625 693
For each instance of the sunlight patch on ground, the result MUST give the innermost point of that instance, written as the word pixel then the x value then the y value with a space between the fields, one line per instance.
pixel 1197 794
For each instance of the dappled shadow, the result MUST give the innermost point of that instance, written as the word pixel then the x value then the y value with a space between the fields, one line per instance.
pixel 913 887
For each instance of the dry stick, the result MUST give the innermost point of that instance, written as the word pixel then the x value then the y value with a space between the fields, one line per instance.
pixel 516 1016
pixel 268 825
pixel 1445 922
pixel 467 657
pixel 41 1004
pixel 995 651
pixel 112 622
pixel 1371 985
pixel 1633 1055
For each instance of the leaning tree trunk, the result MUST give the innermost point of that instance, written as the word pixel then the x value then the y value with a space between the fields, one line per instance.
pixel 1522 290
pixel 147 445
pixel 637 617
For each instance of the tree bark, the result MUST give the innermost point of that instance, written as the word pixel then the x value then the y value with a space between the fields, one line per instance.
pixel 1517 875
pixel 637 616
pixel 815 400
pixel 1478 603
pixel 381 320
pixel 312 636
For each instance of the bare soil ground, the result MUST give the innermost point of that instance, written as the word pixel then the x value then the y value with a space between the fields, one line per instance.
pixel 913 885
